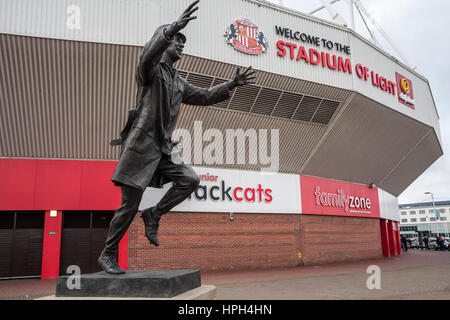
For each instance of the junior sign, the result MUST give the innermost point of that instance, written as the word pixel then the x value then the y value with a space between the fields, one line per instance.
pixel 224 190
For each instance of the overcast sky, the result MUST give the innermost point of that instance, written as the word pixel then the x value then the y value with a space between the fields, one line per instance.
pixel 420 29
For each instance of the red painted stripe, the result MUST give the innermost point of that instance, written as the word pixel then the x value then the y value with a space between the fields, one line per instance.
pixel 33 184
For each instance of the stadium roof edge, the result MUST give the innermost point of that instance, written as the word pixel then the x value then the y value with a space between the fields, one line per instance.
pixel 338 26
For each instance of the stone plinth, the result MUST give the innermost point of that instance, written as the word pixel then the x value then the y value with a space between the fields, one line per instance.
pixel 137 284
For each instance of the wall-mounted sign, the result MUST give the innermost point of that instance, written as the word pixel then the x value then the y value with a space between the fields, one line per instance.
pixel 338 198
pixel 311 39
pixel 405 90
pixel 329 54
pixel 225 190
pixel 244 36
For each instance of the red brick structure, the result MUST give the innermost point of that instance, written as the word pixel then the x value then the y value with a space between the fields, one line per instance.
pixel 327 239
pixel 211 241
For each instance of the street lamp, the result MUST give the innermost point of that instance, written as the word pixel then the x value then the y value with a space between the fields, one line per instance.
pixel 434 210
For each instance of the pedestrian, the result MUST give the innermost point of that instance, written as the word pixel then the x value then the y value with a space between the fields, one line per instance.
pixel 404 243
pixel 425 242
pixel 438 242
pixel 420 243
pixel 442 243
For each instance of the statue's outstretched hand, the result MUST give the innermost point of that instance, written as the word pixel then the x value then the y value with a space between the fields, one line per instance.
pixel 241 79
pixel 183 20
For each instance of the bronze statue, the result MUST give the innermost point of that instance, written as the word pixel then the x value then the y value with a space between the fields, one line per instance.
pixel 146 140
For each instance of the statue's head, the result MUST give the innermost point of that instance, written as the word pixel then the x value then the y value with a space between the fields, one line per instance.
pixel 175 50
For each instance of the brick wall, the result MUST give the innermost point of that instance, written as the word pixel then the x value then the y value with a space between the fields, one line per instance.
pixel 327 239
pixel 210 241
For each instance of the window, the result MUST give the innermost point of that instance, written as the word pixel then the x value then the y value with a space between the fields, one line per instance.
pixel 432 219
pixel 404 220
pixel 431 211
pixel 409 228
pixel 412 212
pixel 413 220
pixel 442 210
pixel 421 211
pixel 443 218
pixel 423 219
pixel 403 213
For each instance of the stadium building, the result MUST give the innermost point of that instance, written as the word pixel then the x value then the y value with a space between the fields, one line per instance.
pixel 334 129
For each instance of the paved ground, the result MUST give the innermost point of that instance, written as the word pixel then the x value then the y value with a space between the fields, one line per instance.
pixel 413 275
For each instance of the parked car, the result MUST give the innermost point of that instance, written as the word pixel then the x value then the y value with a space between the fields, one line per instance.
pixel 432 243
pixel 434 246
pixel 414 243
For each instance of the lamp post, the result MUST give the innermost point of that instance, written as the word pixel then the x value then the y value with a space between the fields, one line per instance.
pixel 444 230
pixel 434 210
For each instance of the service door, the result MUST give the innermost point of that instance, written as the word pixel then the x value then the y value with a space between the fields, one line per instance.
pixel 83 239
pixel 21 241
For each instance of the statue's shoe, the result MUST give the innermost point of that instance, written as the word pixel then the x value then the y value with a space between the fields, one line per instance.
pixel 109 264
pixel 151 223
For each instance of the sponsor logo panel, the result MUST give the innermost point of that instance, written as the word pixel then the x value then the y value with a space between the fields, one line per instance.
pixel 405 90
pixel 331 197
pixel 226 190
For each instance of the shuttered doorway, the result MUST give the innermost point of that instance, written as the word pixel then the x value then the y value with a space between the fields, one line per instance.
pixel 83 239
pixel 21 241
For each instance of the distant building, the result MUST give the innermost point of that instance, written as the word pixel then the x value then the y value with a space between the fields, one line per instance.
pixel 425 218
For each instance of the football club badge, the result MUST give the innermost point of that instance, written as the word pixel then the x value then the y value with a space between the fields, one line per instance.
pixel 244 36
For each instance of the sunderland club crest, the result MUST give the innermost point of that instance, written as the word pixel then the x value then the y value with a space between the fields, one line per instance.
pixel 244 36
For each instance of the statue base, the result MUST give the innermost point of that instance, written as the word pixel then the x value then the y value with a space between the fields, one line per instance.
pixel 132 284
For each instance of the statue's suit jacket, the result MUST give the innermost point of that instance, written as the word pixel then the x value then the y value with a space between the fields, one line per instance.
pixel 158 99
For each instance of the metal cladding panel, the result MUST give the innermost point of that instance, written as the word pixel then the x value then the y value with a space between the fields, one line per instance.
pixel 388 206
pixel 68 99
pixel 413 164
pixel 63 99
pixel 272 80
pixel 133 23
pixel 296 139
pixel 424 108
pixel 366 142
pixel 216 16
pixel 129 22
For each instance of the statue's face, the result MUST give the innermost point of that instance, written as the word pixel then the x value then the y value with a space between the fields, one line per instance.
pixel 175 50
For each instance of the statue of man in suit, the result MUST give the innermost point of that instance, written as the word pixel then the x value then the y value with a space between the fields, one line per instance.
pixel 146 142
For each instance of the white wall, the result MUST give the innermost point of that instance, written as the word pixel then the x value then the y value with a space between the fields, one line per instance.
pixel 388 206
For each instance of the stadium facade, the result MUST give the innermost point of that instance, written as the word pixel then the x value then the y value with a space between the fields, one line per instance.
pixel 341 129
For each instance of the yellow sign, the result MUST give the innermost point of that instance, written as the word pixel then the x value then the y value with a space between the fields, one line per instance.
pixel 406 88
